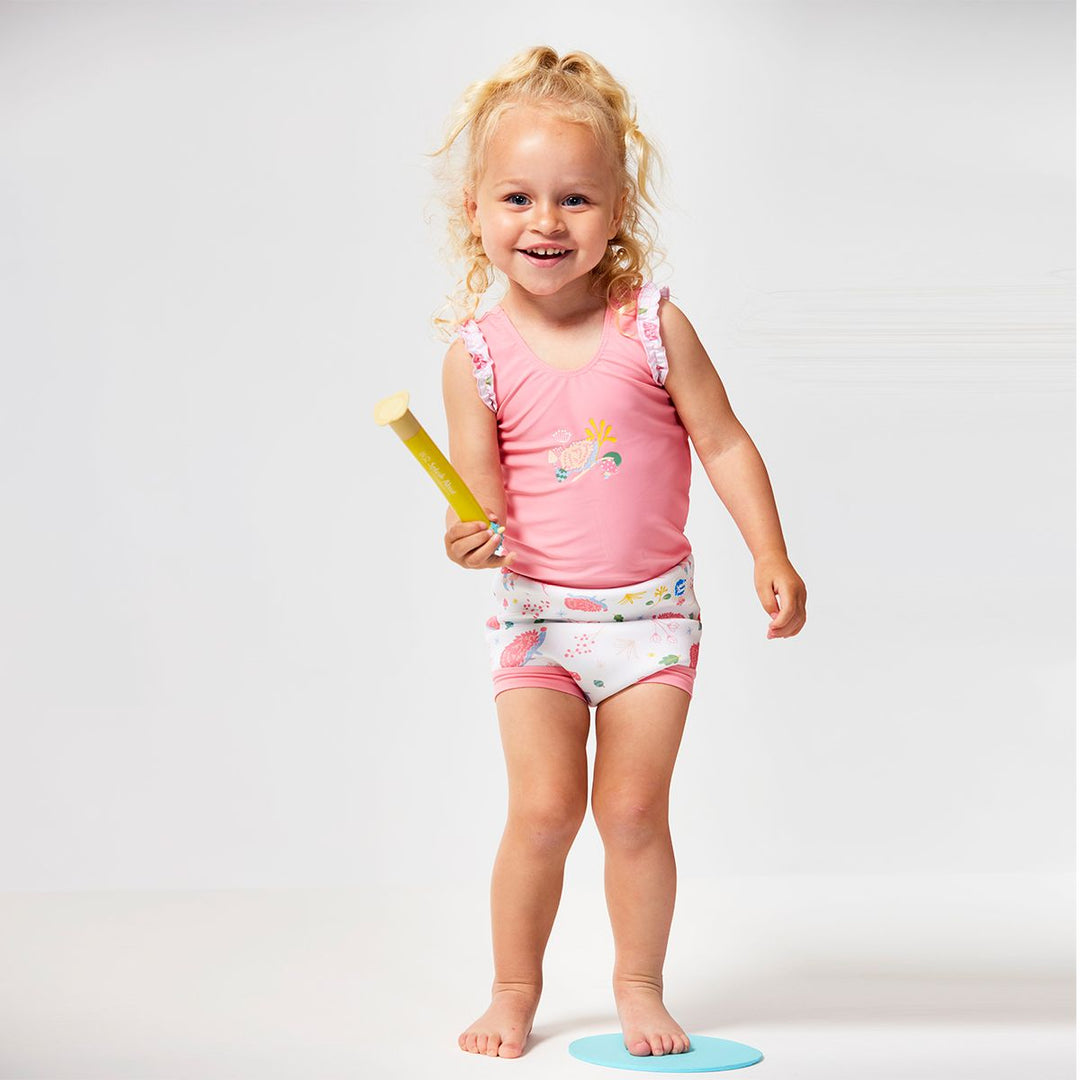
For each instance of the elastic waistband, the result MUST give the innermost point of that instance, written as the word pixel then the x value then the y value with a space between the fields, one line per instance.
pixel 670 593
pixel 685 567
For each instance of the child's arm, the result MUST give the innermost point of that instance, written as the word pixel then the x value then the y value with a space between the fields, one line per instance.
pixel 734 467
pixel 474 452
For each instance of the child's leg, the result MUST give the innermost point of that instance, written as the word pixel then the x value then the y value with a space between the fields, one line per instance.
pixel 638 732
pixel 544 733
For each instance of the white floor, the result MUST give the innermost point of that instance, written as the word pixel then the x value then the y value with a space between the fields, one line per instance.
pixel 336 983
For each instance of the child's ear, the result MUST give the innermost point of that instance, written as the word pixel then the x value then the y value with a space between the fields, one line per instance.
pixel 470 211
pixel 620 208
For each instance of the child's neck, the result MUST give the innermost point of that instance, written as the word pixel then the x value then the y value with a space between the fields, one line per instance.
pixel 571 305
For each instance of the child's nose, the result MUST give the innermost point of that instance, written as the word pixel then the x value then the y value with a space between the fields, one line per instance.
pixel 548 219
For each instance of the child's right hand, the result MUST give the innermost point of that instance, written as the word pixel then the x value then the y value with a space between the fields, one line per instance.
pixel 472 544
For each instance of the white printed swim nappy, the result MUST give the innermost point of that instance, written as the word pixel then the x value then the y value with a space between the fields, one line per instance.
pixel 594 642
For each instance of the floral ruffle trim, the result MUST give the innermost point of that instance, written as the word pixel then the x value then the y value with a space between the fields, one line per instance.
pixel 648 320
pixel 478 350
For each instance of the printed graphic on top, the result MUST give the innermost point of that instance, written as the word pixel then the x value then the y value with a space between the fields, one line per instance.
pixel 572 460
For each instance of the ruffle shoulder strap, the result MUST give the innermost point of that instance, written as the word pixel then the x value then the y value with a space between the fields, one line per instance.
pixel 648 321
pixel 473 337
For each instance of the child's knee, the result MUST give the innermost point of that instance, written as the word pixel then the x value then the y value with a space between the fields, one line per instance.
pixel 627 822
pixel 548 823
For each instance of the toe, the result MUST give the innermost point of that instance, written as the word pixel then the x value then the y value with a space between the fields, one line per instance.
pixel 510 1049
pixel 639 1046
pixel 657 1044
pixel 668 1042
pixel 470 1042
pixel 481 1043
pixel 493 1045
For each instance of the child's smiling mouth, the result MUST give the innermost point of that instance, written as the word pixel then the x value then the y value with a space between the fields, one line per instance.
pixel 533 254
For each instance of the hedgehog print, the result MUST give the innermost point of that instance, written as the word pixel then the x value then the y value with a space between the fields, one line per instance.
pixel 523 648
pixel 584 603
pixel 572 460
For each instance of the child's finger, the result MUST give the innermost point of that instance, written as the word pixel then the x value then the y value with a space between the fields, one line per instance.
pixel 465 545
pixel 502 559
pixel 461 529
pixel 476 544
pixel 471 530
pixel 486 550
pixel 490 534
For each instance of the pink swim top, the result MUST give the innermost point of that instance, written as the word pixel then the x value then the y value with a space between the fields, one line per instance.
pixel 595 461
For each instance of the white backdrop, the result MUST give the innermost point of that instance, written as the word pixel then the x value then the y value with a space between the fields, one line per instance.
pixel 232 651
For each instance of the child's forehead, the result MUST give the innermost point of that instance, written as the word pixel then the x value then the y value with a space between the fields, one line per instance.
pixel 532 140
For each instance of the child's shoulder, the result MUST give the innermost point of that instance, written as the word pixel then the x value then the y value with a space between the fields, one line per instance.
pixel 457 352
pixel 654 301
pixel 673 320
pixel 467 366
pixel 464 332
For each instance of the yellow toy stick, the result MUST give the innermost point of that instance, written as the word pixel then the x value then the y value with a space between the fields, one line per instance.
pixel 394 411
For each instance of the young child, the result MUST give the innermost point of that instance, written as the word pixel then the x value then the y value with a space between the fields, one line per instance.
pixel 569 407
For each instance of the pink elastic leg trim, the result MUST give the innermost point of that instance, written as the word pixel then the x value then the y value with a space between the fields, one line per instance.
pixel 548 678
pixel 556 678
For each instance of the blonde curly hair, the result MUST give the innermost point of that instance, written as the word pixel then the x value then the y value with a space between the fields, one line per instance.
pixel 577 88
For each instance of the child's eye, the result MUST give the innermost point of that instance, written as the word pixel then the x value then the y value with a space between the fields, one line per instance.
pixel 517 195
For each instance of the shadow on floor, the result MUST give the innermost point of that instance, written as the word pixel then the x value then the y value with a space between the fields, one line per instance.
pixel 875 1000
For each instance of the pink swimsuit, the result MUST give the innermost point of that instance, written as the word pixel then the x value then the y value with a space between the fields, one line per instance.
pixel 596 470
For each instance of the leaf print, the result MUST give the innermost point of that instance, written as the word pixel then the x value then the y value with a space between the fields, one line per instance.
pixel 663 634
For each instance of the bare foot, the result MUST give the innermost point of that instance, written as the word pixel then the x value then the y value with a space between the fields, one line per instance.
pixel 503 1029
pixel 647 1026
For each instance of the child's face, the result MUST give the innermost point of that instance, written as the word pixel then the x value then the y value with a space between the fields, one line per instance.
pixel 546 184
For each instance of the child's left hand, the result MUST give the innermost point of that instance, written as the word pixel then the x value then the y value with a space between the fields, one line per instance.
pixel 775 576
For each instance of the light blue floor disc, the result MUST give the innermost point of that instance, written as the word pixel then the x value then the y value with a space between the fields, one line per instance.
pixel 706 1054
